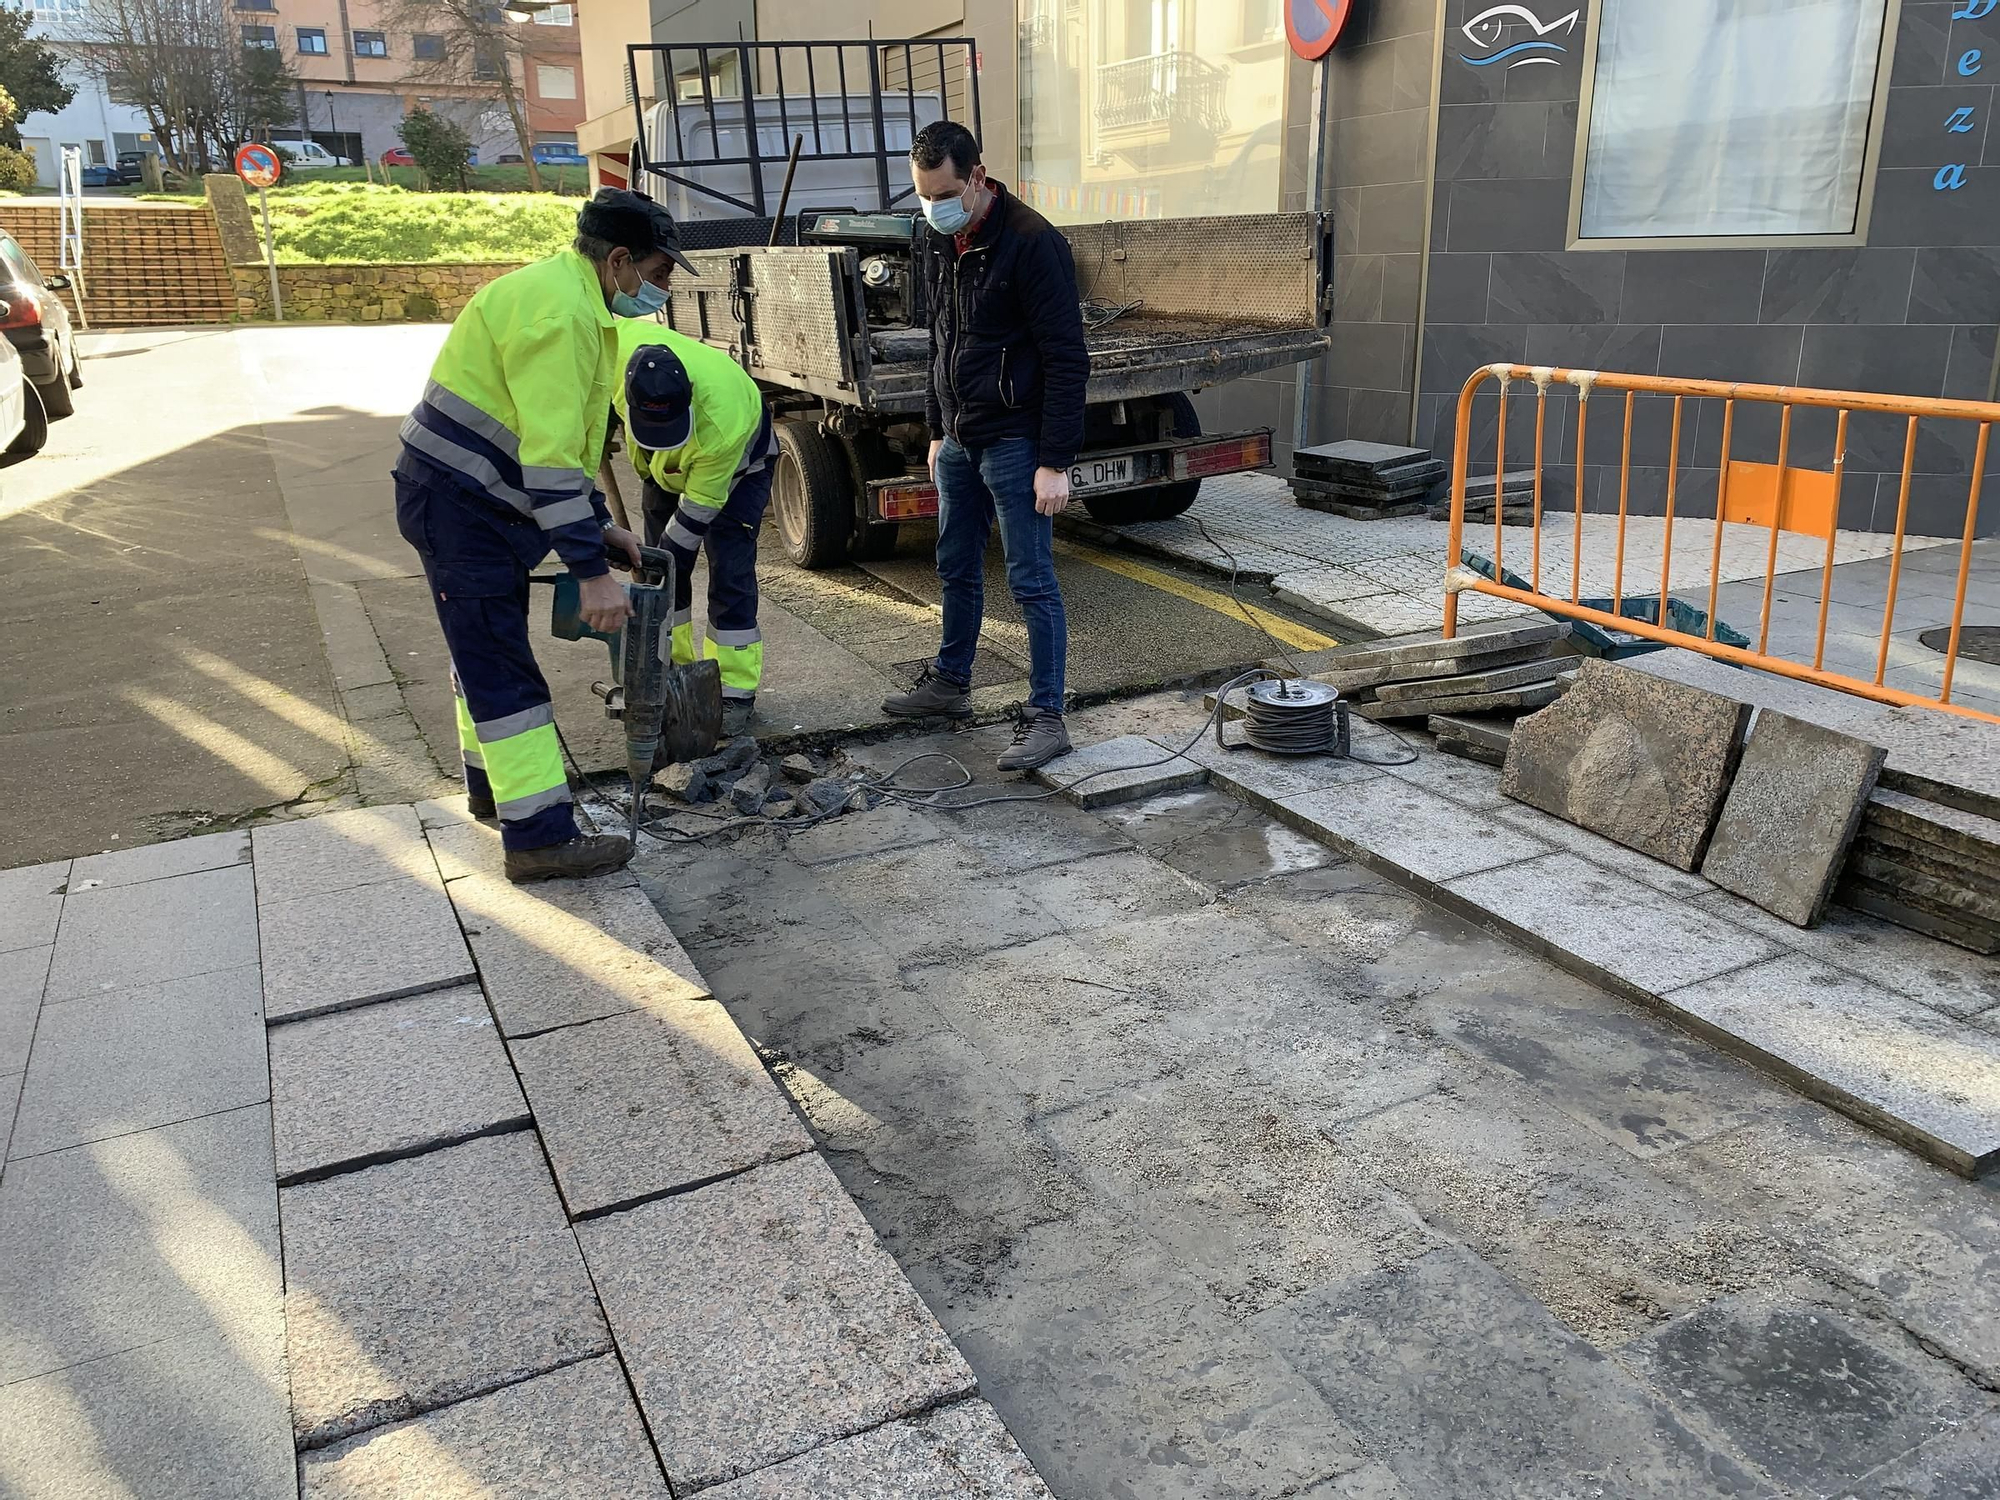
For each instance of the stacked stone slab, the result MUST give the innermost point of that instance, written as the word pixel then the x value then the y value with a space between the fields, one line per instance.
pixel 1929 867
pixel 1366 480
pixel 1514 494
pixel 1480 737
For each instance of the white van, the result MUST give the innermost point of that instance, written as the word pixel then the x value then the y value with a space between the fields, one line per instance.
pixel 308 155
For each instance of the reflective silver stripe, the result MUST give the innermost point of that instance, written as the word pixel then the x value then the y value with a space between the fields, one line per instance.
pixel 471 465
pixel 525 807
pixel 681 537
pixel 755 456
pixel 681 617
pixel 549 517
pixel 698 518
pixel 472 758
pixel 467 415
pixel 509 725
pixel 567 480
pixel 730 692
pixel 748 637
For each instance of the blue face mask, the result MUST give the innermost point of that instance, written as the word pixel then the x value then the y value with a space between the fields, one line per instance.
pixel 644 303
pixel 947 215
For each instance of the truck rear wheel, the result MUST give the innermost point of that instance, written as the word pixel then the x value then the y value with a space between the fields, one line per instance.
pixel 812 496
pixel 1162 502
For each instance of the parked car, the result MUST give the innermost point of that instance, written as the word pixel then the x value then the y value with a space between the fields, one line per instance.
pixel 398 156
pixel 98 176
pixel 24 427
pixel 309 156
pixel 37 327
pixel 559 154
pixel 508 158
pixel 132 166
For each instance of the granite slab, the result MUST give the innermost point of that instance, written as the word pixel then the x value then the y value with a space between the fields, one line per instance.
pixel 1897 905
pixel 1463 684
pixel 1120 770
pixel 1790 815
pixel 572 1434
pixel 147 934
pixel 1949 829
pixel 1644 760
pixel 641 1104
pixel 314 965
pixel 1900 1068
pixel 959 1452
pixel 776 1260
pixel 1520 700
pixel 416 1284
pixel 1387 818
pixel 31 898
pixel 335 851
pixel 208 851
pixel 24 974
pixel 363 1086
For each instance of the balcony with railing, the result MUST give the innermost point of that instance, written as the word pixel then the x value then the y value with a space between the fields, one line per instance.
pixel 1169 99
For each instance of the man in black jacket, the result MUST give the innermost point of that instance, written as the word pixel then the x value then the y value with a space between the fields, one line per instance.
pixel 1005 407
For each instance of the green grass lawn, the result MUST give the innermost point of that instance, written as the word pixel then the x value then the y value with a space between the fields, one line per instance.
pixel 321 221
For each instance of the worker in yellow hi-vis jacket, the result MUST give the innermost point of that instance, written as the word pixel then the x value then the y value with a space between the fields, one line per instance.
pixel 499 464
pixel 702 442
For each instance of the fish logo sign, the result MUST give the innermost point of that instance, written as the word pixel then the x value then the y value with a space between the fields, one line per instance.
pixel 1491 27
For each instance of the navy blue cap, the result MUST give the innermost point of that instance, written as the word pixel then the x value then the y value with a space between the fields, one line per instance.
pixel 659 398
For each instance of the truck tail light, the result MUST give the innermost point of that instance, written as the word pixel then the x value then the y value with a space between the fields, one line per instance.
pixel 906 502
pixel 23 311
pixel 1227 456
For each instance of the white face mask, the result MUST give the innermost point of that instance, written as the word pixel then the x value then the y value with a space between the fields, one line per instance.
pixel 947 215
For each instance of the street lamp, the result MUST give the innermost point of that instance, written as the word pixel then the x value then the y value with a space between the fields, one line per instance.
pixel 332 122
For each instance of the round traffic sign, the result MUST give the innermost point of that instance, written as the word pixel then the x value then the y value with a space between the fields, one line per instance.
pixel 258 165
pixel 1313 26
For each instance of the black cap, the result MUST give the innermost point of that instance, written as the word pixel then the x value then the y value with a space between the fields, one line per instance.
pixel 619 216
pixel 659 398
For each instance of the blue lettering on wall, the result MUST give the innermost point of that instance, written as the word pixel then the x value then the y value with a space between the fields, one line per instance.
pixel 1960 121
pixel 1969 64
pixel 1974 10
pixel 1949 179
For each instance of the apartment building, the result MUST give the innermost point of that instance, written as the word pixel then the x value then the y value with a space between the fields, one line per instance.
pixel 358 77
pixel 94 123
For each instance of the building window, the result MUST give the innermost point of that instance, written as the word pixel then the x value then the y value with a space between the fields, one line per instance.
pixel 261 36
pixel 239 4
pixel 555 83
pixel 96 151
pixel 556 15
pixel 370 44
pixel 429 48
pixel 312 40
pixel 1716 120
pixel 488 62
pixel 1262 22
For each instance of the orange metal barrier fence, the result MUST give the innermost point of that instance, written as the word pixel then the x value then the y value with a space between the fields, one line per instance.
pixel 1800 500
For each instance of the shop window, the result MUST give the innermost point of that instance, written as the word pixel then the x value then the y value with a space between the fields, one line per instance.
pixel 312 41
pixel 554 82
pixel 371 44
pixel 1715 120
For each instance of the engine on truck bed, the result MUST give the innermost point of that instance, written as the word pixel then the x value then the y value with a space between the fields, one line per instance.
pixel 890 287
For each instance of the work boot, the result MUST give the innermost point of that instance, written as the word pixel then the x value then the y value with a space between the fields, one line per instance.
pixel 480 805
pixel 585 855
pixel 1039 737
pixel 933 697
pixel 736 716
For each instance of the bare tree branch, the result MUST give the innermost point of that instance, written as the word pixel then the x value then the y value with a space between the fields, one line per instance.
pixel 482 54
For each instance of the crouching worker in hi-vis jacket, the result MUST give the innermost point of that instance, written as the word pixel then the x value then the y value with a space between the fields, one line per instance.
pixel 702 444
pixel 497 467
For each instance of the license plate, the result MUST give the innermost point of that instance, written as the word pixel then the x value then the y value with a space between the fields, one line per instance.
pixel 1100 473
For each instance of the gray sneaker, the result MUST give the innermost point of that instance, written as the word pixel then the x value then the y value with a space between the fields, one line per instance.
pixel 1039 737
pixel 933 697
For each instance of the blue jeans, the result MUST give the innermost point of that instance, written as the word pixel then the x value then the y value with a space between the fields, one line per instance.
pixel 975 486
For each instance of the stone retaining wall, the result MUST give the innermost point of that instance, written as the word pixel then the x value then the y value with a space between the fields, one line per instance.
pixel 354 293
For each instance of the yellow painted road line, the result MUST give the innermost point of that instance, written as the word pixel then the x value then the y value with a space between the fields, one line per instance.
pixel 1298 637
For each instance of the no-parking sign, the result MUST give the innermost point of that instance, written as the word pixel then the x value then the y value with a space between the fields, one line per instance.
pixel 1313 26
pixel 258 165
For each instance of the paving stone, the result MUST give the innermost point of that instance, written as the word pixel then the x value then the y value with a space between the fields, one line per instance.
pixel 30 902
pixel 1976 902
pixel 1487 733
pixel 420 1282
pixel 1463 684
pixel 1946 979
pixel 1520 700
pixel 890 826
pixel 893 896
pixel 10 1095
pixel 443 812
pixel 335 851
pixel 1812 1394
pixel 1428 648
pixel 1957 1465
pixel 1470 786
pixel 208 851
pixel 779 1261
pixel 1265 778
pixel 1111 889
pixel 637 1105
pixel 1605 854
pixel 1120 770
pixel 960 1452
pixel 200 1416
pixel 1633 932
pixel 1950 829
pixel 1973 873
pixel 572 1434
pixel 563 951
pixel 24 975
pixel 1900 1068
pixel 147 934
pixel 1640 759
pixel 1789 816
pixel 1389 1352
pixel 132 1059
pixel 314 962
pixel 1218 841
pixel 1412 829
pixel 138 1239
pixel 388 1080
pixel 1897 903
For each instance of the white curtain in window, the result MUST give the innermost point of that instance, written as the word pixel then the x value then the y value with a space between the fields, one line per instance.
pixel 1730 117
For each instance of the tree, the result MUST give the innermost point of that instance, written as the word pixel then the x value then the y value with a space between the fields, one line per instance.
pixel 17 168
pixel 182 63
pixel 30 72
pixel 440 146
pixel 481 51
